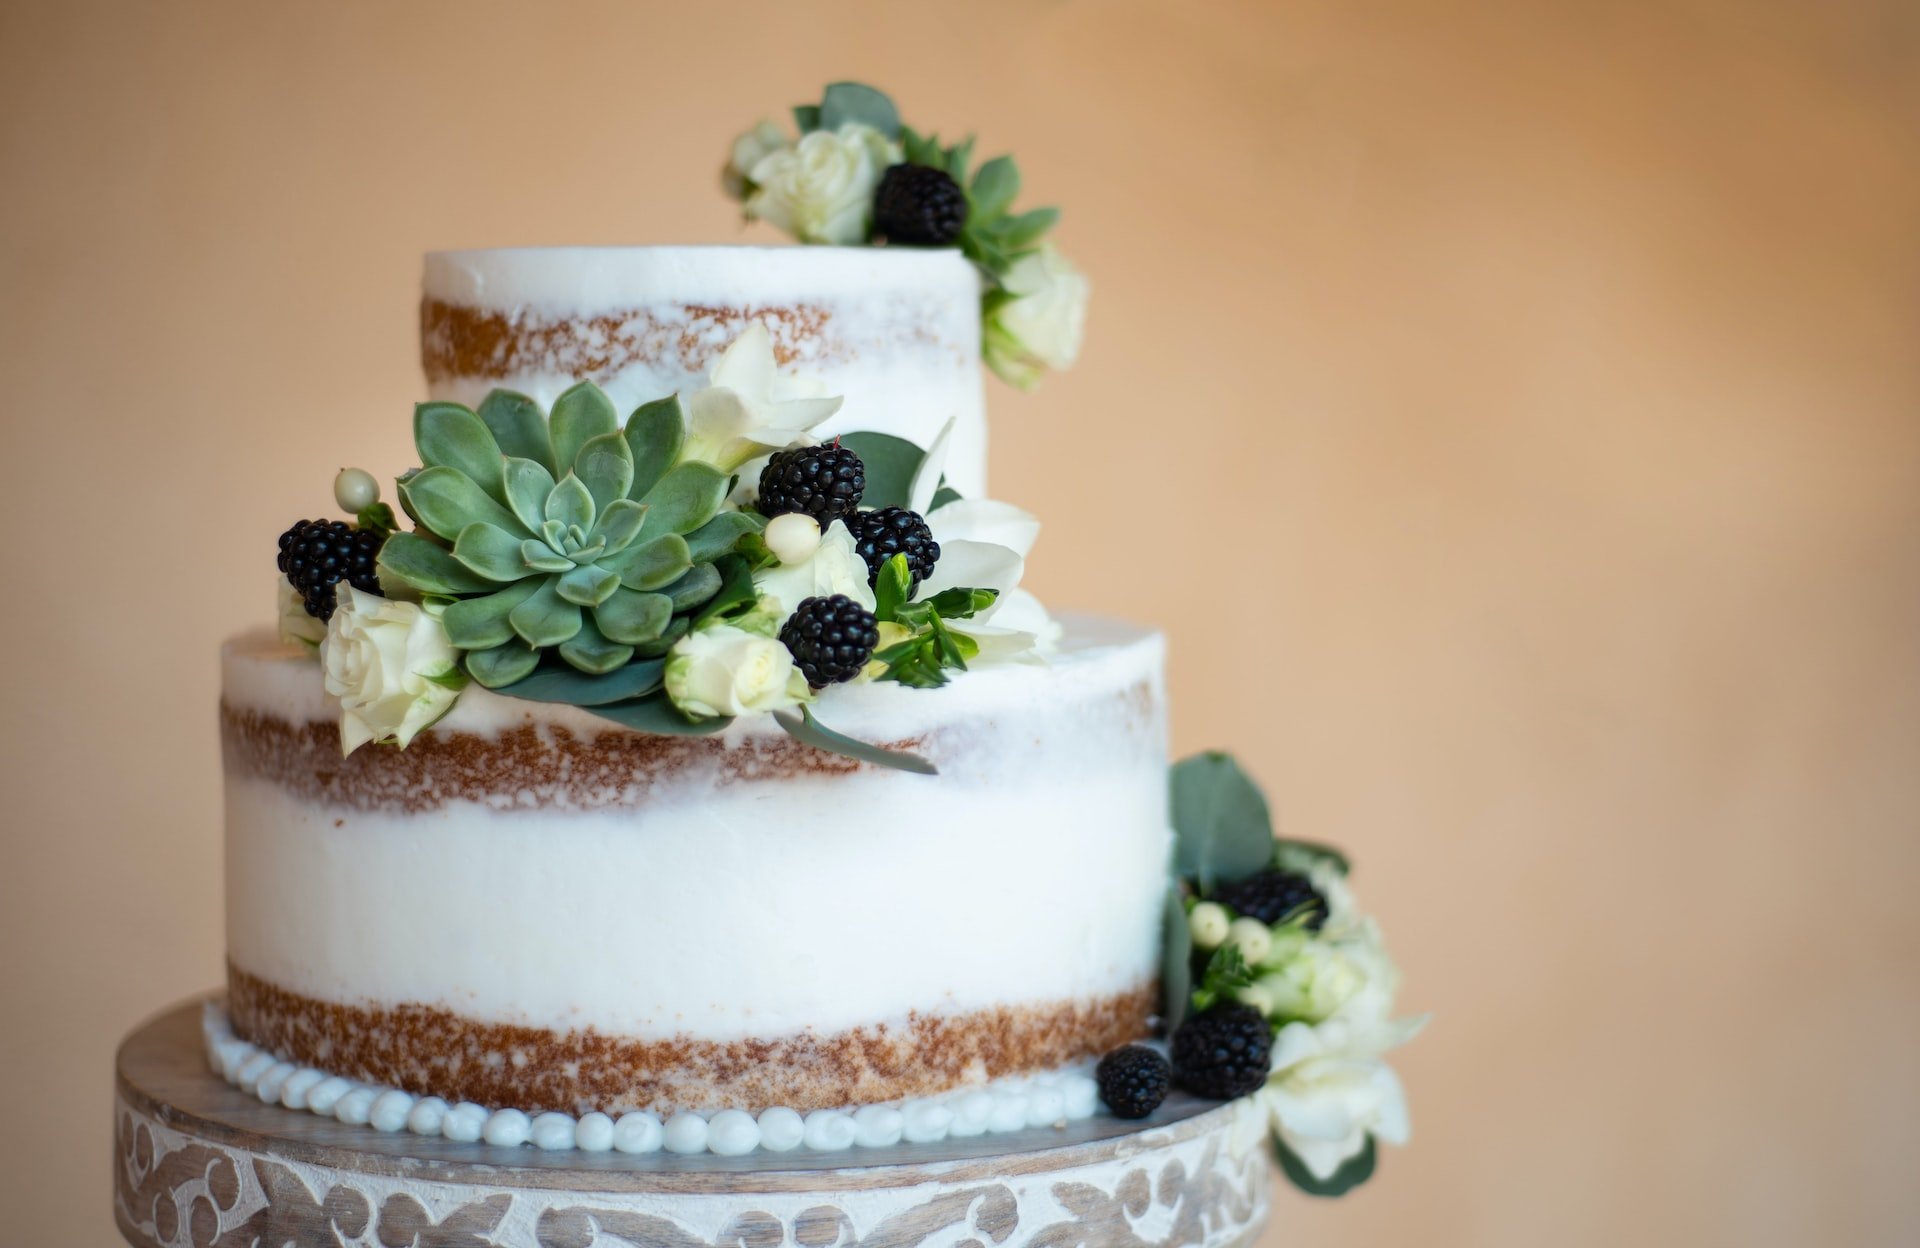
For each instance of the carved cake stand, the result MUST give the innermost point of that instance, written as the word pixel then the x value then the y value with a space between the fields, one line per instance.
pixel 197 1162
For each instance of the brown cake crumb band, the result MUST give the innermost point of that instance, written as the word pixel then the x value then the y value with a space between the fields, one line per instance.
pixel 431 1051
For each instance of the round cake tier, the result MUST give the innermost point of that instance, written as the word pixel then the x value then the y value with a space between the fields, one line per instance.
pixel 531 906
pixel 896 332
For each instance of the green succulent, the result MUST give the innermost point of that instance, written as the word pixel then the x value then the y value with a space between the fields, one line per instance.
pixel 568 533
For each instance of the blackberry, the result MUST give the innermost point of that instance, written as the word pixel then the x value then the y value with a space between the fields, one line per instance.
pixel 1222 1053
pixel 880 535
pixel 1272 895
pixel 315 554
pixel 831 639
pixel 1133 1080
pixel 918 205
pixel 824 482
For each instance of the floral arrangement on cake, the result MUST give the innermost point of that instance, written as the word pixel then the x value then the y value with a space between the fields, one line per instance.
pixel 702 559
pixel 854 174
pixel 1275 988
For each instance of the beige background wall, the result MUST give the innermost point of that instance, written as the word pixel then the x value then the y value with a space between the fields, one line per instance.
pixel 1512 412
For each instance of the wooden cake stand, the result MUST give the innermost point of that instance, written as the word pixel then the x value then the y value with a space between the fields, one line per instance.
pixel 198 1162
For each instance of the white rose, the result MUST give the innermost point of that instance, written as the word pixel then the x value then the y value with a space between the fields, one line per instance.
pixel 1325 1097
pixel 729 671
pixel 749 150
pixel 1040 328
pixel 821 189
pixel 297 628
pixel 390 665
pixel 834 567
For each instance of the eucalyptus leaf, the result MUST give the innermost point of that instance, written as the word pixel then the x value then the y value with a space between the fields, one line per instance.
pixel 481 623
pixel 428 567
pixel 502 665
pixel 581 413
pixel 570 503
pixel 545 618
pixel 676 628
pixel 890 463
pixel 654 433
pixel 1298 855
pixel 656 714
pixel 942 496
pixel 719 535
pixel 519 427
pixel 587 586
pixel 700 583
pixel 650 563
pixel 686 498
pixel 1354 1171
pixel 806 117
pixel 1176 960
pixel 846 102
pixel 810 731
pixel 735 588
pixel 492 552
pixel 631 617
pixel 577 688
pixel 448 435
pixel 527 485
pixel 605 466
pixel 446 500
pixel 592 653
pixel 1222 829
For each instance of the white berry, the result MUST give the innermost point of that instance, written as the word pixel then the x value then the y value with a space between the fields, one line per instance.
pixel 793 537
pixel 1208 922
pixel 355 490
pixel 1252 938
pixel 1259 997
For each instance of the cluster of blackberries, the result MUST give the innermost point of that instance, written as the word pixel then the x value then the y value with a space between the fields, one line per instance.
pixel 1220 1054
pixel 918 205
pixel 1273 895
pixel 830 638
pixel 316 555
pixel 827 483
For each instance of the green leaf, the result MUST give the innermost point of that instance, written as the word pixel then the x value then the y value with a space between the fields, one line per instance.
pixel 519 427
pixel 684 499
pixel 921 149
pixel 491 552
pixel 576 688
pixel 679 627
pixel 892 586
pixel 735 589
pixel 721 534
pixel 527 485
pixel 1298 855
pixel 587 586
pixel 957 158
pixel 993 189
pixel 810 731
pixel 582 413
pixel 650 563
pixel 605 467
pixel 428 567
pixel 807 117
pixel 656 714
pixel 570 503
pixel 618 524
pixel 958 603
pixel 1176 960
pixel 856 102
pixel 1222 830
pixel 1021 232
pixel 697 586
pixel 377 516
pixel 942 496
pixel 1356 1170
pixel 654 434
pixel 1226 973
pixel 502 665
pixel 890 463
pixel 592 653
pixel 446 500
pixel 481 623
pixel 449 435
pixel 545 618
pixel 631 617
pixel 540 556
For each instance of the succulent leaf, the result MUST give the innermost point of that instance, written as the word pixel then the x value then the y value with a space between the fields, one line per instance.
pixel 428 567
pixel 677 628
pixel 545 618
pixel 587 585
pixel 448 435
pixel 695 588
pixel 593 653
pixel 570 503
pixel 446 500
pixel 519 427
pixel 481 623
pixel 581 413
pixel 491 552
pixel 539 556
pixel 685 498
pixel 654 434
pixel 719 535
pixel 650 563
pixel 527 485
pixel 605 465
pixel 502 665
pixel 632 617
pixel 619 523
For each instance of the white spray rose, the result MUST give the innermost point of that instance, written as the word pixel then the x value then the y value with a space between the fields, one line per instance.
pixel 821 189
pixel 297 628
pixel 1320 978
pixel 1040 328
pixel 749 406
pixel 390 665
pixel 748 151
pixel 1329 1090
pixel 833 567
pixel 729 671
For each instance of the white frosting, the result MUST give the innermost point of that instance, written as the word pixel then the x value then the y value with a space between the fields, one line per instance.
pixel 899 338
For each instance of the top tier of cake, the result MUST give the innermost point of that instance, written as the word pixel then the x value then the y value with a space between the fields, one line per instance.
pixel 897 332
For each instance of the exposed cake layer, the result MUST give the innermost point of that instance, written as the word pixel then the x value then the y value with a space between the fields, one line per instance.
pixel 896 332
pixel 534 907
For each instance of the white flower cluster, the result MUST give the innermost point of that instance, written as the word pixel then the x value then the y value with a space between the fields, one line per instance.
pixel 1332 992
pixel 819 189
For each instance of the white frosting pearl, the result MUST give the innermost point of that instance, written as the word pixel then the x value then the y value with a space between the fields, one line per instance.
pixel 355 490
pixel 1207 923
pixel 828 1130
pixel 638 1133
pixel 272 1079
pixel 354 1107
pixel 970 1114
pixel 428 1116
pixel 1082 1096
pixel 293 1093
pixel 1252 938
pixel 876 1126
pixel 781 1129
pixel 593 1133
pixel 464 1122
pixel 506 1128
pixel 733 1133
pixel 1009 1113
pixel 323 1096
pixel 926 1121
pixel 686 1133
pixel 552 1132
pixel 793 537
pixel 390 1110
pixel 250 1070
pixel 1046 1107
